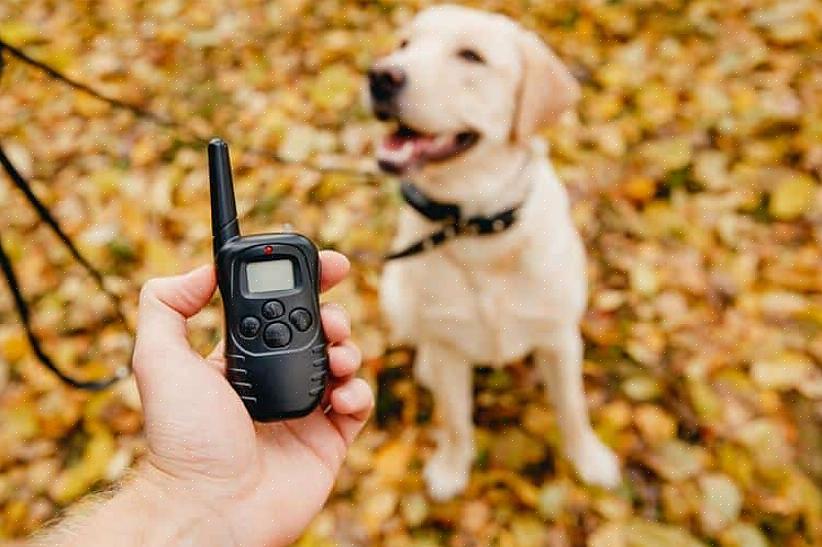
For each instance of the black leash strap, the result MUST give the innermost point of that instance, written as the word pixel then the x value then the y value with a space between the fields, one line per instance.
pixel 455 226
pixel 186 135
pixel 25 318
pixel 14 286
pixel 45 215
pixel 53 73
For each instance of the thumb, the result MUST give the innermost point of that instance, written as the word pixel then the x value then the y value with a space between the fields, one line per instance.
pixel 165 304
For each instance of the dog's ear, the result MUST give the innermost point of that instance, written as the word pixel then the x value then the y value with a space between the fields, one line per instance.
pixel 547 88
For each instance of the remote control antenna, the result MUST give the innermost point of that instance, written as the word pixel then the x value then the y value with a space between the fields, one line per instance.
pixel 224 225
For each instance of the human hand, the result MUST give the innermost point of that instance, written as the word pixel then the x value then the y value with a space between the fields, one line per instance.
pixel 260 484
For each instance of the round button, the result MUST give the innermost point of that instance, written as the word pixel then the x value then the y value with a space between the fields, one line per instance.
pixel 277 335
pixel 301 319
pixel 249 326
pixel 273 309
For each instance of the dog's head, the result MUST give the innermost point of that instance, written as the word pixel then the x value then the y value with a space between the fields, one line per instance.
pixel 461 81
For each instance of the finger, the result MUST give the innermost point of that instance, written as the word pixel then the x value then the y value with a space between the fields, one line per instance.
pixel 345 359
pixel 335 321
pixel 353 398
pixel 165 304
pixel 334 268
pixel 351 403
pixel 217 357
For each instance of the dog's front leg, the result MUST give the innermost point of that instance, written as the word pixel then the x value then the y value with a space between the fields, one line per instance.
pixel 560 361
pixel 448 375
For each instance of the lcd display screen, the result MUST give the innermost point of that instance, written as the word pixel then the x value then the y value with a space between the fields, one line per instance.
pixel 270 275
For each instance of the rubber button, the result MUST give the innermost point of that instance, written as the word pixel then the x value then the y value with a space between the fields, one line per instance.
pixel 277 335
pixel 273 309
pixel 249 326
pixel 301 319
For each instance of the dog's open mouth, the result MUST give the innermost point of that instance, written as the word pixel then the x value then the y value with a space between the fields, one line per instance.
pixel 407 148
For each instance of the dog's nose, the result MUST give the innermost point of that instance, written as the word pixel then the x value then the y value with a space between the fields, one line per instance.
pixel 385 82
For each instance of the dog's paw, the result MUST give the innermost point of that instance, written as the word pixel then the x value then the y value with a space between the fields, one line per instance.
pixel 445 475
pixel 595 463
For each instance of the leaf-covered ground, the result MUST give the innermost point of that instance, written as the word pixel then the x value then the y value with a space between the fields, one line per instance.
pixel 694 161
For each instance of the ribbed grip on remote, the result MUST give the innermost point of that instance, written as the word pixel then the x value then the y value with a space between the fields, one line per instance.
pixel 299 388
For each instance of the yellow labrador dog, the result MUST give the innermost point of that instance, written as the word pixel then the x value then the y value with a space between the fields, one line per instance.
pixel 488 265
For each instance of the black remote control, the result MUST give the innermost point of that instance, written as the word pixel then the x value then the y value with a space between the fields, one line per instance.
pixel 275 348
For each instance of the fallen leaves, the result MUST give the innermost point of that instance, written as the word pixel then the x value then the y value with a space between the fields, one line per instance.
pixel 640 533
pixel 694 162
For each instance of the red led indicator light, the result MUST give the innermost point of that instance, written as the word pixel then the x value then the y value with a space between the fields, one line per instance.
pixel 268 249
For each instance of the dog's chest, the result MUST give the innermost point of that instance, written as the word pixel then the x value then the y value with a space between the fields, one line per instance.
pixel 490 297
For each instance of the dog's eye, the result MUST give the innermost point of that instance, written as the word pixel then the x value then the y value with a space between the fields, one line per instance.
pixel 470 55
pixel 403 44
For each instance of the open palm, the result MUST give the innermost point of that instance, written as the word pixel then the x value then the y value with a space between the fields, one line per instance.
pixel 265 481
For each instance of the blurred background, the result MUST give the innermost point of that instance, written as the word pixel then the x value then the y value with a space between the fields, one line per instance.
pixel 694 163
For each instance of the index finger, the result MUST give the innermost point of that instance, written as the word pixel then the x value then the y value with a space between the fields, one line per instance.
pixel 334 268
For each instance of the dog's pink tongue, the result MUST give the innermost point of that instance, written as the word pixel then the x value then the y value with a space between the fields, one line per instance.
pixel 401 152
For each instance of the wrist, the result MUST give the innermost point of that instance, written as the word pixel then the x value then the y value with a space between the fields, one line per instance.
pixel 176 513
pixel 144 511
pixel 218 513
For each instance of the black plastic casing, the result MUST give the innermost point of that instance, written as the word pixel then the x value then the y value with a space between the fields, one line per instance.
pixel 281 383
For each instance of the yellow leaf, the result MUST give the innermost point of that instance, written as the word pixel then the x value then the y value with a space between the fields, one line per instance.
pixel 668 153
pixel 792 197
pixel 74 481
pixel 334 87
pixel 640 188
pixel 19 32
pixel 161 258
pixel 14 345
